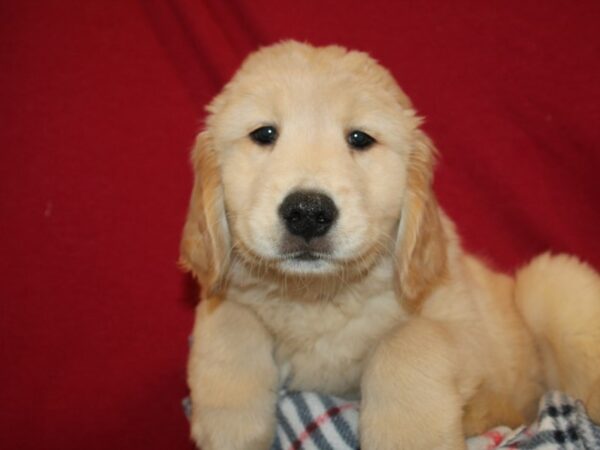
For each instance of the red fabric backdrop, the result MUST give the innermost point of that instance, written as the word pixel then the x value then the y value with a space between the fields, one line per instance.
pixel 100 101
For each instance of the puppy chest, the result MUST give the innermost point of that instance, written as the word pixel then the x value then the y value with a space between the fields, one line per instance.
pixel 324 347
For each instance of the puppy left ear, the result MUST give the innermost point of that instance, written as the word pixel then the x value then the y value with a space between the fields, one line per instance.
pixel 205 244
pixel 421 242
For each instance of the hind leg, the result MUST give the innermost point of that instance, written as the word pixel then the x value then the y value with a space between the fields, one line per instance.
pixel 559 297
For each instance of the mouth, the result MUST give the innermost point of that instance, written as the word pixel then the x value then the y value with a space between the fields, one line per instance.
pixel 304 262
pixel 304 256
pixel 293 248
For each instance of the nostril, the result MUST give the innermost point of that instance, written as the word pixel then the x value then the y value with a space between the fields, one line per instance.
pixel 308 213
pixel 294 216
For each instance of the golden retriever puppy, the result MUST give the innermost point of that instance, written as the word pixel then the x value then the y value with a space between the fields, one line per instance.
pixel 327 265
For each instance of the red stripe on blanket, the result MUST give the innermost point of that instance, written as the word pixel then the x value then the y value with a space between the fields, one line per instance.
pixel 311 427
pixel 495 437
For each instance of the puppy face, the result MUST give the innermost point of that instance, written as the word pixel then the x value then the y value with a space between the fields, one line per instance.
pixel 312 164
pixel 313 147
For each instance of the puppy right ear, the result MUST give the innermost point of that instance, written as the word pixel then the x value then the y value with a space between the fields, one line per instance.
pixel 205 245
pixel 421 254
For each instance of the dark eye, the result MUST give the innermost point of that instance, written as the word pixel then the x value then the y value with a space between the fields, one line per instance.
pixel 359 140
pixel 264 135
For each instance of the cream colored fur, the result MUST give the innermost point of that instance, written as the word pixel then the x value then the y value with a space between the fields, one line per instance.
pixel 436 344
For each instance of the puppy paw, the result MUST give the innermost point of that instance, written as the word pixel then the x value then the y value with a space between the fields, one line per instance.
pixel 384 432
pixel 232 429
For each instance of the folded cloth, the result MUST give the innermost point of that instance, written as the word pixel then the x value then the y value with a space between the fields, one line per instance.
pixel 562 423
pixel 310 421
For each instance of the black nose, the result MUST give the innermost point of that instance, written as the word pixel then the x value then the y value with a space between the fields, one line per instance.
pixel 308 214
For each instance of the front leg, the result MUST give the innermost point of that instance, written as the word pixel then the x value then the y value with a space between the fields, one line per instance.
pixel 233 379
pixel 410 394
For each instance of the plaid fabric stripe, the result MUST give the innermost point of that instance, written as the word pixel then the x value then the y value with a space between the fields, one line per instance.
pixel 342 422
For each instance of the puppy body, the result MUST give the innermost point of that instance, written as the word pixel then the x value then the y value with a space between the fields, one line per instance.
pixel 392 309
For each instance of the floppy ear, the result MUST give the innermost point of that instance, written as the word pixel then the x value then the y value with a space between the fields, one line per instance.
pixel 421 243
pixel 205 243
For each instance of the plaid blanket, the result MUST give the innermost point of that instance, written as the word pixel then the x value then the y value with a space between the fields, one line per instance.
pixel 310 421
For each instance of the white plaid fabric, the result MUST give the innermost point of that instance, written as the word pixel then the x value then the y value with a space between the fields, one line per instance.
pixel 306 420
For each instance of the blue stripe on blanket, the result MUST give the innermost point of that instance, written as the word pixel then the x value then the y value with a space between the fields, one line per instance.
pixel 341 425
pixel 284 429
pixel 311 427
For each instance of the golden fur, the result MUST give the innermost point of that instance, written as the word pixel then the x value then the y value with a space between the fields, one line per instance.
pixel 437 345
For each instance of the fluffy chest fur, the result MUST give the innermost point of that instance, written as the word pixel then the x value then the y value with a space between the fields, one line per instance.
pixel 323 338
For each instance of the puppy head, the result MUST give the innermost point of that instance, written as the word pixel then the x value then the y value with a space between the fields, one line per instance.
pixel 312 164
